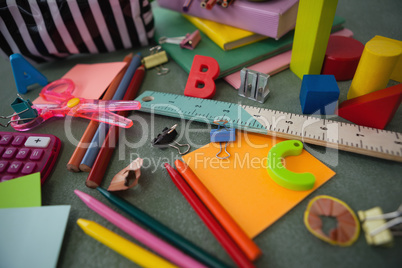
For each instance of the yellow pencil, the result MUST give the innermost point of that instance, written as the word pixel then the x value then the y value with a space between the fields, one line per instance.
pixel 123 246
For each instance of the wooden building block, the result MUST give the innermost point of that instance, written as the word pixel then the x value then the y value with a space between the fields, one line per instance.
pixel 375 109
pixel 375 67
pixel 319 94
pixel 342 57
pixel 313 27
pixel 397 73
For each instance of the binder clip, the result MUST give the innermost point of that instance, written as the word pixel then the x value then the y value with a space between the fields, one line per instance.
pixel 22 108
pixel 157 58
pixel 189 41
pixel 254 85
pixel 222 134
pixel 379 232
pixel 167 137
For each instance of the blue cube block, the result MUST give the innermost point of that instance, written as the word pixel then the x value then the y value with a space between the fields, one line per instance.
pixel 319 94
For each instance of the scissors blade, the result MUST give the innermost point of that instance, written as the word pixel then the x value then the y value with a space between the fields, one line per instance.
pixel 106 117
pixel 109 105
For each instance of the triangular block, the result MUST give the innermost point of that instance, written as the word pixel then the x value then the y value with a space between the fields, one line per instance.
pixel 25 74
pixel 375 109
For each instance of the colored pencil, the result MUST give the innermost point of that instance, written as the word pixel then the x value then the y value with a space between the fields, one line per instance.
pixel 122 246
pixel 79 152
pixel 213 225
pixel 99 137
pixel 151 241
pixel 232 228
pixel 100 165
pixel 162 230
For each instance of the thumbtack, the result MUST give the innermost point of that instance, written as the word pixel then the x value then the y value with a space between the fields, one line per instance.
pixel 254 85
pixel 167 137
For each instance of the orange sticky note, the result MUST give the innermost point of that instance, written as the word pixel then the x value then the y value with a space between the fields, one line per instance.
pixel 91 80
pixel 242 185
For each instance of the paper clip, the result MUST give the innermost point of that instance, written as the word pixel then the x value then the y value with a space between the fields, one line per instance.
pixel 157 58
pixel 223 134
pixel 189 41
pixel 23 109
pixel 254 85
pixel 167 137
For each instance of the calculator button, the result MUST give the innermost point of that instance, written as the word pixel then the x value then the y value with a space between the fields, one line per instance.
pixel 6 178
pixel 3 166
pixel 5 139
pixel 14 167
pixel 28 168
pixel 18 141
pixel 1 150
pixel 9 153
pixel 36 154
pixel 38 142
pixel 22 153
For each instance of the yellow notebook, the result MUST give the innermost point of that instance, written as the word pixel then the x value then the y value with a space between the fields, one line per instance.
pixel 225 36
pixel 242 185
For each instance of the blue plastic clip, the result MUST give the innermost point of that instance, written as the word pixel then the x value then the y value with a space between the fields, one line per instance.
pixel 223 134
pixel 25 74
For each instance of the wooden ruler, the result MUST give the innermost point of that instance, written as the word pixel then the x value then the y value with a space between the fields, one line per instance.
pixel 343 136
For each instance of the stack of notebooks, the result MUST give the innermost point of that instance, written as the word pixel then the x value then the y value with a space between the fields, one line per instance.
pixel 233 48
pixel 272 18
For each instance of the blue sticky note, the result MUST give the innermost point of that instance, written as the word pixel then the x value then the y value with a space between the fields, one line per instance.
pixel 32 237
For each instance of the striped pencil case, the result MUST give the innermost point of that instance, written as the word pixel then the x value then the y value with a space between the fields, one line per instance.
pixel 45 30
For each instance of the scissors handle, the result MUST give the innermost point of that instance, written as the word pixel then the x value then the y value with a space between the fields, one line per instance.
pixel 49 92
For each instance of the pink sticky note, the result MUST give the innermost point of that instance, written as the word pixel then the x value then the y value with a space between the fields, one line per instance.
pixel 91 80
pixel 273 65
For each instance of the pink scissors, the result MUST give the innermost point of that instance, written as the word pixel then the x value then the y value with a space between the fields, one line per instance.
pixel 64 103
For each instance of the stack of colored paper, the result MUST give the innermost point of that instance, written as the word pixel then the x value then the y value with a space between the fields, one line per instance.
pixel 31 234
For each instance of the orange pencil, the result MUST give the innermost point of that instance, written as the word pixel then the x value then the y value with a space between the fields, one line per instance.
pixel 79 152
pixel 232 228
pixel 100 165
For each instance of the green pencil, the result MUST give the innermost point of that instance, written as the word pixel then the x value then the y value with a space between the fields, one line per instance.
pixel 169 235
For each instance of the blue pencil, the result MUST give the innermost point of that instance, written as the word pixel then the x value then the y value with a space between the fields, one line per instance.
pixel 99 137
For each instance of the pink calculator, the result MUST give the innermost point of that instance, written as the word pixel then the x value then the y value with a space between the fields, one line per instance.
pixel 24 153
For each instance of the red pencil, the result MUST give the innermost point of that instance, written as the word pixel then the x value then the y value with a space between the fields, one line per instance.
pixel 245 243
pixel 102 160
pixel 216 229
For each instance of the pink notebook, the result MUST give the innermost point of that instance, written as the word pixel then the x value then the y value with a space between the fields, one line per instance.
pixel 273 65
